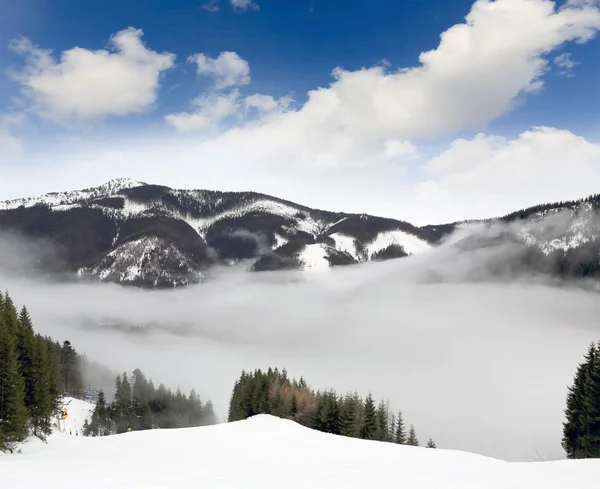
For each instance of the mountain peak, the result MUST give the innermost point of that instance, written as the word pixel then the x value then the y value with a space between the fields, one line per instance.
pixel 116 184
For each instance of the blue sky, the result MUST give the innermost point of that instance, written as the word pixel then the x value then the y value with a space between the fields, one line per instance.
pixel 288 49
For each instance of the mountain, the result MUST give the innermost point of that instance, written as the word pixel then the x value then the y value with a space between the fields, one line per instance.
pixel 154 236
pixel 134 233
pixel 266 452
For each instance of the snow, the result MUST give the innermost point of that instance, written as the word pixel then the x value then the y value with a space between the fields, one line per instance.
pixel 78 412
pixel 345 243
pixel 313 257
pixel 280 240
pixel 264 452
pixel 64 200
pixel 412 244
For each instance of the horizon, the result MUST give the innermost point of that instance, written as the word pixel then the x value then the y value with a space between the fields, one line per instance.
pixel 418 115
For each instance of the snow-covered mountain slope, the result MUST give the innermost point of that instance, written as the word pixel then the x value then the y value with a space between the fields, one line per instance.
pixel 134 233
pixel 56 199
pixel 78 412
pixel 265 452
pixel 153 236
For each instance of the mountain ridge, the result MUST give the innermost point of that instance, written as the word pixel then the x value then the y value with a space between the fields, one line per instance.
pixel 148 235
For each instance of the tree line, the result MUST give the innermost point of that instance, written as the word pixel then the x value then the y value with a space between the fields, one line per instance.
pixel 581 429
pixel 32 370
pixel 138 405
pixel 272 392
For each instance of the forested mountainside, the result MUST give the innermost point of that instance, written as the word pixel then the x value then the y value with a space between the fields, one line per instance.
pixel 153 236
pixel 150 235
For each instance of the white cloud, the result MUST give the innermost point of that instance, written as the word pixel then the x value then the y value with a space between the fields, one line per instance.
pixel 502 175
pixel 9 143
pixel 267 103
pixel 566 64
pixel 211 110
pixel 87 84
pixel 227 70
pixel 352 145
pixel 479 71
pixel 244 5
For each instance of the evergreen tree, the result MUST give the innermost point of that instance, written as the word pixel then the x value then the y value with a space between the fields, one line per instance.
pixel 400 435
pixel 369 427
pixel 382 421
pixel 43 394
pixel 412 437
pixel 13 413
pixel 71 373
pixel 350 416
pixel 25 351
pixel 590 440
pixel 576 414
pixel 431 443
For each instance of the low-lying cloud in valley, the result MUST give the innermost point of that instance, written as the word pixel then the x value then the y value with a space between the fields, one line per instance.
pixel 479 364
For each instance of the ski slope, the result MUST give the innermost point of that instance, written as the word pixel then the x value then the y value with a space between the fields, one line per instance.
pixel 269 453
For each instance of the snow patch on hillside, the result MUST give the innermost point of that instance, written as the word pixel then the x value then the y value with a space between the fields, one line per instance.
pixel 142 258
pixel 313 257
pixel 411 244
pixel 78 412
pixel 345 243
pixel 269 453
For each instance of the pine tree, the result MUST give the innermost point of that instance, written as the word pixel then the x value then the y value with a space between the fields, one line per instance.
pixel 369 428
pixel 43 394
pixel 350 416
pixel 25 351
pixel 590 441
pixel 431 443
pixel 412 437
pixel 400 435
pixel 382 421
pixel 13 413
pixel 581 429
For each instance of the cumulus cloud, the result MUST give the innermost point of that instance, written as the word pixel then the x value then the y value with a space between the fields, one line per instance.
pixel 88 84
pixel 565 64
pixel 227 70
pixel 244 5
pixel 267 103
pixel 541 165
pixel 211 109
pixel 478 72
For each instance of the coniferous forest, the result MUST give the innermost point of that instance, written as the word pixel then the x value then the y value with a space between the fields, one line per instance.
pixel 581 429
pixel 138 405
pixel 36 372
pixel 272 392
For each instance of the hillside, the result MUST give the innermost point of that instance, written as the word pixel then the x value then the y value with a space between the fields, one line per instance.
pixel 149 235
pixel 266 452
pixel 153 236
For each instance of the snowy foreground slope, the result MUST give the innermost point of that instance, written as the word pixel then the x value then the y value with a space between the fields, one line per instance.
pixel 265 452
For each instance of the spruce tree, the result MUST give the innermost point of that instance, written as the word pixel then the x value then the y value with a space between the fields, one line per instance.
pixel 43 406
pixel 13 413
pixel 25 351
pixel 350 416
pixel 431 443
pixel 369 428
pixel 590 441
pixel 412 437
pixel 581 429
pixel 382 421
pixel 400 435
